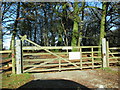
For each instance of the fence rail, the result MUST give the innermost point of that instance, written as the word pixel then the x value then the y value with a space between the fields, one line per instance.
pixel 114 55
pixel 6 51
pixel 114 48
pixel 56 47
pixel 59 64
pixel 52 58
pixel 6 61
pixel 12 58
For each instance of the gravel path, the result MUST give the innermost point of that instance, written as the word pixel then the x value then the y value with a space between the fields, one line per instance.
pixel 88 78
pixel 82 79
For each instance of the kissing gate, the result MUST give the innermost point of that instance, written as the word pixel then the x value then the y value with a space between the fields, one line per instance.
pixel 61 58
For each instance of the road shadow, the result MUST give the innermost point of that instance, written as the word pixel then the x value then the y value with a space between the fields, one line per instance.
pixel 53 85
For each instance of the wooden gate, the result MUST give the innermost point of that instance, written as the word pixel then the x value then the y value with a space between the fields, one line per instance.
pixel 113 55
pixel 57 58
pixel 47 61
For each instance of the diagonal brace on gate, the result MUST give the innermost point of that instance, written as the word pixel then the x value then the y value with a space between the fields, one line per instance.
pixel 25 38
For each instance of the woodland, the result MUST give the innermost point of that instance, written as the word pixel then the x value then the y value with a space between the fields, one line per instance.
pixel 61 23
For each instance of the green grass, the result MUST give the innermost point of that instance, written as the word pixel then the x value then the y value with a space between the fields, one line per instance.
pixel 109 70
pixel 14 81
pixel 105 68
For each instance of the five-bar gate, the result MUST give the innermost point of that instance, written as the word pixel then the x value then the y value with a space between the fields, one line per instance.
pixel 58 58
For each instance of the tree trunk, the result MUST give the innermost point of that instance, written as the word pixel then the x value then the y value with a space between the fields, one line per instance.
pixel 45 28
pixel 35 30
pixel 81 25
pixel 75 26
pixel 15 24
pixel 75 34
pixel 1 36
pixel 102 26
pixel 103 22
pixel 60 40
pixel 60 37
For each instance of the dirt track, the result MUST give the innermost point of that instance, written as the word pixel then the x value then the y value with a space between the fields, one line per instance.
pixel 88 78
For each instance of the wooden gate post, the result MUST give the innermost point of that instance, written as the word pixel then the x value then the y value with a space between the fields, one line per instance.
pixel 18 57
pixel 107 54
pixel 13 57
pixel 104 52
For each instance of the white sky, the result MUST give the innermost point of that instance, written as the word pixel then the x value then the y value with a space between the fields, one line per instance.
pixel 6 42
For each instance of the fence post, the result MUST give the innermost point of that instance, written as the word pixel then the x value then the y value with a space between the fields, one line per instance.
pixel 107 54
pixel 104 53
pixel 13 57
pixel 80 58
pixel 18 56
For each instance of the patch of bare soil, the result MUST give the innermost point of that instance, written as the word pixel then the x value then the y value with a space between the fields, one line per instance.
pixel 107 78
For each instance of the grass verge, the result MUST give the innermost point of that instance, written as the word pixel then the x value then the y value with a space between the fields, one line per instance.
pixel 14 81
pixel 110 70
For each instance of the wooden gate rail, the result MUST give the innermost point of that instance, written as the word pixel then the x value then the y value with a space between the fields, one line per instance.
pixel 92 60
pixel 62 64
pixel 5 63
pixel 66 64
pixel 5 51
pixel 113 56
pixel 25 38
pixel 55 47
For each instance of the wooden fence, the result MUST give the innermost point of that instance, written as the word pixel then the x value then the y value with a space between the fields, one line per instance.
pixel 9 61
pixel 6 60
pixel 113 55
pixel 58 58
pixel 89 59
pixel 51 60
